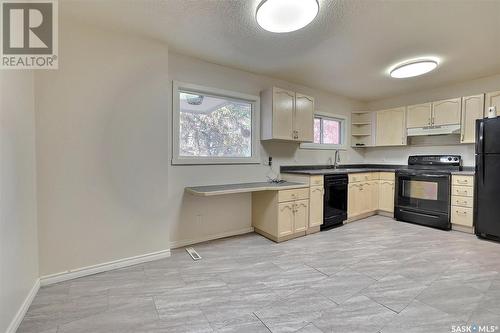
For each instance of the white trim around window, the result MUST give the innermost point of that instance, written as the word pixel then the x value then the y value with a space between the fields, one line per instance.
pixel 343 133
pixel 215 92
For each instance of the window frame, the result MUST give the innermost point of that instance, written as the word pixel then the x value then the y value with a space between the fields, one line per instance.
pixel 178 86
pixel 343 132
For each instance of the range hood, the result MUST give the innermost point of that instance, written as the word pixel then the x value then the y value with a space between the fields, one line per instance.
pixel 434 130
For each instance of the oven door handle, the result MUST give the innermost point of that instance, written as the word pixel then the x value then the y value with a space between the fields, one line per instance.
pixel 434 176
pixel 422 175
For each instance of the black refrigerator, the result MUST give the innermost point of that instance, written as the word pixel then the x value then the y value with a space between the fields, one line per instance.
pixel 487 183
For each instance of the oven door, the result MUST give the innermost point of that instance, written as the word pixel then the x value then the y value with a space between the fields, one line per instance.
pixel 425 191
pixel 423 198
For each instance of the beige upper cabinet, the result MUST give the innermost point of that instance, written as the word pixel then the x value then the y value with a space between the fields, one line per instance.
pixel 492 99
pixel 304 118
pixel 282 117
pixel 286 115
pixel 391 127
pixel 419 115
pixel 446 112
pixel 472 109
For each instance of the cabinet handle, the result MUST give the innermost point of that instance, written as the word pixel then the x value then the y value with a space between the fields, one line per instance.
pixel 461 213
pixel 458 202
pixel 465 181
pixel 462 192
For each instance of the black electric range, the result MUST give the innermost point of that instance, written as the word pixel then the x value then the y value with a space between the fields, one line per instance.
pixel 423 191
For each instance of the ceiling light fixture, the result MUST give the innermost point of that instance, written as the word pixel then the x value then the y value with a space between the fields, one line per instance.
pixel 281 16
pixel 415 67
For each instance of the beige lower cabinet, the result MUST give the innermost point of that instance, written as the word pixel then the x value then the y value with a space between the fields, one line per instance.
pixel 316 193
pixel 281 215
pixel 360 201
pixel 462 203
pixel 369 194
pixel 316 206
pixel 386 196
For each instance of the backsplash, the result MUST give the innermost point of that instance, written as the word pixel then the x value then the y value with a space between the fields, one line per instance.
pixel 399 155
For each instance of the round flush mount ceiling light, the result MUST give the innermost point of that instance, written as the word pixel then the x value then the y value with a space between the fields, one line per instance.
pixel 411 68
pixel 281 16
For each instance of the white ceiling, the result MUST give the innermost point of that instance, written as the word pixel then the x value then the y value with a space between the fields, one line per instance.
pixel 346 50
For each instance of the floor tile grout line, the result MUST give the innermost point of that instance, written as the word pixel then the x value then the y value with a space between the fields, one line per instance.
pixel 261 321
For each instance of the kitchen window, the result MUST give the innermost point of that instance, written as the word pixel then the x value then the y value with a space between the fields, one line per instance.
pixel 213 126
pixel 329 132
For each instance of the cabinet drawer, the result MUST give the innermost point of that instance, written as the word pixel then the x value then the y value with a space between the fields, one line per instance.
pixel 359 177
pixel 295 194
pixel 463 180
pixel 387 176
pixel 462 201
pixel 462 191
pixel 462 216
pixel 316 180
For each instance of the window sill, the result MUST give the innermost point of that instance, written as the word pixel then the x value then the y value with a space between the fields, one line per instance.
pixel 319 146
pixel 220 161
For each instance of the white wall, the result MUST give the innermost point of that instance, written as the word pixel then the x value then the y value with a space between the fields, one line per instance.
pixel 106 187
pixel 196 218
pixel 432 145
pixel 18 221
pixel 102 138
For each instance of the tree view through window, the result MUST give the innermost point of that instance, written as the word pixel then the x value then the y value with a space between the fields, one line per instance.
pixel 327 130
pixel 213 126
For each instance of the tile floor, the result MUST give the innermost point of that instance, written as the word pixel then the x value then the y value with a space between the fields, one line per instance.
pixel 374 275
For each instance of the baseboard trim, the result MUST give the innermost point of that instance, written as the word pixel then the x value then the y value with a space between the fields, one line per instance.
pixel 186 242
pixel 104 267
pixel 18 318
pixel 462 228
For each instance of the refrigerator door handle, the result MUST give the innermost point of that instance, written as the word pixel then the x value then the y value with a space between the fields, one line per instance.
pixel 480 148
pixel 480 141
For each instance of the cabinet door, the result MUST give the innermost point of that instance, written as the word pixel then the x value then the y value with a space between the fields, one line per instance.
pixel 316 206
pixel 301 215
pixel 391 127
pixel 492 99
pixel 304 117
pixel 365 197
pixel 283 110
pixel 418 115
pixel 386 196
pixel 446 112
pixel 472 109
pixel 375 194
pixel 285 219
pixel 352 201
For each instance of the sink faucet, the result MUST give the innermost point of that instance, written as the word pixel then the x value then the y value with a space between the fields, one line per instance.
pixel 336 159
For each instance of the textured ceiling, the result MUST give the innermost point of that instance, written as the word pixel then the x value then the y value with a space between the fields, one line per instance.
pixel 346 50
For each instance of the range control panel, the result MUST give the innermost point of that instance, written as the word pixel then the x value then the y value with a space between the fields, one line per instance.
pixel 453 160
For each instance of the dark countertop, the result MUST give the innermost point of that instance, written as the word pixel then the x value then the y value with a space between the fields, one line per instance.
pixel 355 168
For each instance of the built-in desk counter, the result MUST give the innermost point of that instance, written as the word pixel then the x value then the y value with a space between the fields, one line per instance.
pixel 211 190
pixel 280 211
